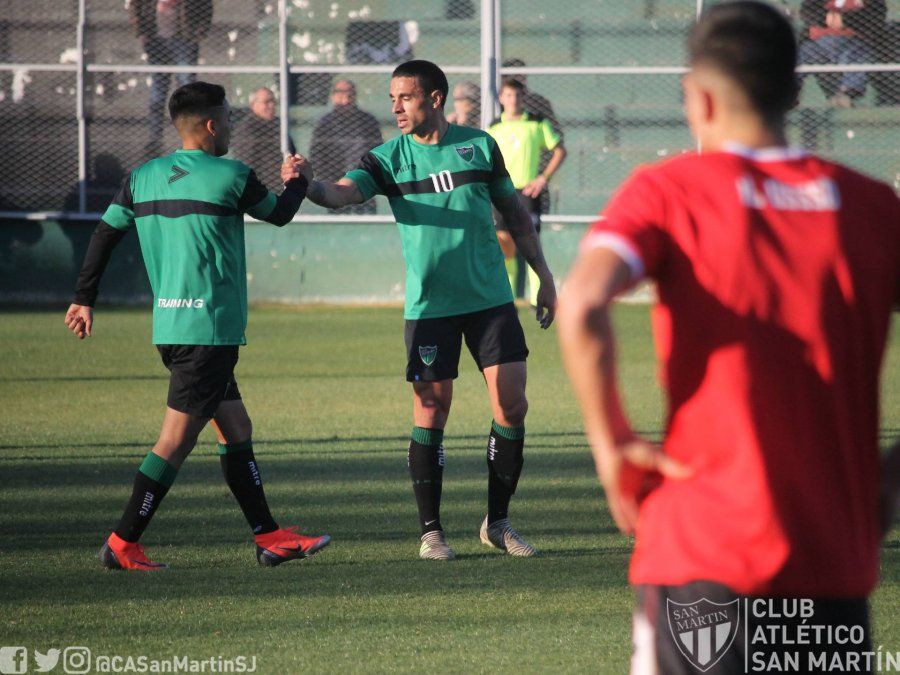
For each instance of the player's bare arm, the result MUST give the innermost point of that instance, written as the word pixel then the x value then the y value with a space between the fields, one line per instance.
pixel 626 465
pixel 330 195
pixel 521 229
pixel 535 187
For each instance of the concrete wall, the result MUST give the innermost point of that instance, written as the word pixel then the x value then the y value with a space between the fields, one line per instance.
pixel 300 263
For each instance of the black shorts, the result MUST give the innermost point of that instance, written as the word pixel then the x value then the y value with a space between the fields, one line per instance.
pixel 706 627
pixel 533 207
pixel 493 336
pixel 202 376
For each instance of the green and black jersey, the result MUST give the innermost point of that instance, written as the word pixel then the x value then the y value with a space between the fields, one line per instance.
pixel 441 198
pixel 188 210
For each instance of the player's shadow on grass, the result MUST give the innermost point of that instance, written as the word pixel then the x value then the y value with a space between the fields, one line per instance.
pixel 396 442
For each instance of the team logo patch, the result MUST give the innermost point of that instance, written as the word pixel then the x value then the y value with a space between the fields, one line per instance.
pixel 428 354
pixel 703 630
pixel 467 152
pixel 177 172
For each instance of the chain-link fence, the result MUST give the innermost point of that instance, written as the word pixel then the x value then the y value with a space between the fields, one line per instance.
pixel 84 85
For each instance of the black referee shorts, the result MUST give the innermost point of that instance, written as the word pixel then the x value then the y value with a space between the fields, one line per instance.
pixel 706 627
pixel 202 376
pixel 433 346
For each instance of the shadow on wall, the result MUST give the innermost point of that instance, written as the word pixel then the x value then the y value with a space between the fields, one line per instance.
pixel 40 261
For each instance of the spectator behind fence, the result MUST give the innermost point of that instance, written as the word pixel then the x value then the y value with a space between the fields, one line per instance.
pixel 841 32
pixel 466 105
pixel 258 142
pixel 341 137
pixel 170 31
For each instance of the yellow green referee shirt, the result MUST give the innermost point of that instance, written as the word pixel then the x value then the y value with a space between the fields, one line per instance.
pixel 521 141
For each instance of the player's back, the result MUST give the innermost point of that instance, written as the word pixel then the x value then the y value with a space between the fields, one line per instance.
pixel 776 272
pixel 188 212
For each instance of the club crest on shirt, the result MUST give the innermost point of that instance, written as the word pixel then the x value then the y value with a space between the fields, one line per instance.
pixel 467 152
pixel 428 354
pixel 703 630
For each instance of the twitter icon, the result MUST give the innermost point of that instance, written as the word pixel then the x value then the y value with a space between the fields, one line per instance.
pixel 46 662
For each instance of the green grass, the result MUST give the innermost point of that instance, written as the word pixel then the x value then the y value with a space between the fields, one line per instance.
pixel 332 415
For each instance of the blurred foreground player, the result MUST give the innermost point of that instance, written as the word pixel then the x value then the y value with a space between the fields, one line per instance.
pixel 188 208
pixel 776 274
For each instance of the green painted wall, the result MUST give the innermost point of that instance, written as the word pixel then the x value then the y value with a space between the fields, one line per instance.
pixel 300 263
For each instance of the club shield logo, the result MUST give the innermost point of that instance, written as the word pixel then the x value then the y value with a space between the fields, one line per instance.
pixel 703 630
pixel 467 152
pixel 428 354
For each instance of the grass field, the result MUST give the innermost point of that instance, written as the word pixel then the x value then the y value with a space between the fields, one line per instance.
pixel 332 417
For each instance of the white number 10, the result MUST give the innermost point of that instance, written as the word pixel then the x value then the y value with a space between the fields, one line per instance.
pixel 443 181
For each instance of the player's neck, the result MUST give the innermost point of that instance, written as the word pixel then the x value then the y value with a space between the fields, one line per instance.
pixel 513 116
pixel 749 134
pixel 204 143
pixel 432 134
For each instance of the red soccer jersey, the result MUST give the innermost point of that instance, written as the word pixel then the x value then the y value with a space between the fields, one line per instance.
pixel 776 274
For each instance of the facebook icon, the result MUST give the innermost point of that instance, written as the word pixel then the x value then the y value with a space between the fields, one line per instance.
pixel 13 660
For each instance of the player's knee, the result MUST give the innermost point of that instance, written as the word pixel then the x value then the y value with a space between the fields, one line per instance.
pixel 434 410
pixel 513 411
pixel 243 431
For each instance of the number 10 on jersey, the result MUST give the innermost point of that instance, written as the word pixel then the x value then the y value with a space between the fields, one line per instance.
pixel 443 181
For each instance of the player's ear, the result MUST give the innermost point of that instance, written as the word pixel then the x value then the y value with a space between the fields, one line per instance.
pixel 436 97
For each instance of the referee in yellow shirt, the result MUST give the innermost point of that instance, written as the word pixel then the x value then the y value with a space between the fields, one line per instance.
pixel 521 136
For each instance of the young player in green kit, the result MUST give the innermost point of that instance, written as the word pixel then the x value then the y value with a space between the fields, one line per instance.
pixel 441 180
pixel 188 208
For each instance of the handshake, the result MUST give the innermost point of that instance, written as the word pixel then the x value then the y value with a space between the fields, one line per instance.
pixel 295 166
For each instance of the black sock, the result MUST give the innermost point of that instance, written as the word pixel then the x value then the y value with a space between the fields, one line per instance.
pixel 504 459
pixel 426 468
pixel 243 478
pixel 153 480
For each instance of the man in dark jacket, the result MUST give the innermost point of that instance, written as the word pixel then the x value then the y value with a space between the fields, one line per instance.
pixel 342 137
pixel 170 31
pixel 259 141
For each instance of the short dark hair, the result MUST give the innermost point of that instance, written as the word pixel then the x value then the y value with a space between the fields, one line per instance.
pixel 428 74
pixel 195 98
pixel 753 44
pixel 512 83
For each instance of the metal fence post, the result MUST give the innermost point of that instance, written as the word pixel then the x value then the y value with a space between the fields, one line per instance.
pixel 79 104
pixel 490 54
pixel 283 74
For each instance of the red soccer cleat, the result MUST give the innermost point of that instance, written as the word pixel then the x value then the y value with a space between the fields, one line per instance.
pixel 274 548
pixel 118 554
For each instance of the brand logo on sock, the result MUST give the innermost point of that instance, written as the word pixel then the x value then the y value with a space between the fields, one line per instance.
pixel 254 473
pixel 428 354
pixel 440 454
pixel 492 448
pixel 147 504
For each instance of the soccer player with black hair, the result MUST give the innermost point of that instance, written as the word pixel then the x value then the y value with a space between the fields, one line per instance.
pixel 776 273
pixel 188 208
pixel 440 180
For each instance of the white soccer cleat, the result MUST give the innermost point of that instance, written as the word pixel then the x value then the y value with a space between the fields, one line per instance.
pixel 501 535
pixel 435 547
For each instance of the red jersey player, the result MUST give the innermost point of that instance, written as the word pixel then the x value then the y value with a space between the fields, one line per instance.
pixel 776 274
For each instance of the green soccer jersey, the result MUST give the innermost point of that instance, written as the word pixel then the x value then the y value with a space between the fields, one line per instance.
pixel 188 209
pixel 441 198
pixel 521 142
